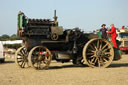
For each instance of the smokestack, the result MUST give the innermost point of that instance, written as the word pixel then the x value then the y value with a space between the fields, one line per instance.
pixel 55 17
pixel 54 13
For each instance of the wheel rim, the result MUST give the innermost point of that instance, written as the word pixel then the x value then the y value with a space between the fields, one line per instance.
pixel 98 53
pixel 21 57
pixel 40 57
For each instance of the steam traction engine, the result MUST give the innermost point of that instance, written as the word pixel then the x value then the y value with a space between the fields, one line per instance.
pixel 44 40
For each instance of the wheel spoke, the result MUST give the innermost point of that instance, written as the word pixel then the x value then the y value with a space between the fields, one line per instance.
pixel 20 58
pixel 105 60
pixel 40 50
pixel 92 60
pixel 104 46
pixel 92 47
pixel 106 49
pixel 95 60
pixel 106 57
pixel 25 51
pixel 19 54
pixel 22 52
pixel 90 53
pixel 100 45
pixel 38 66
pixel 45 58
pixel 92 56
pixel 20 61
pixel 107 53
pixel 24 64
pixel 97 44
pixel 91 50
pixel 99 62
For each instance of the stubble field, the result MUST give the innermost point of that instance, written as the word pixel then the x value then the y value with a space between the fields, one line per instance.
pixel 65 74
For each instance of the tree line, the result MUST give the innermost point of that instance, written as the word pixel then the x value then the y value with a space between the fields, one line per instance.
pixel 6 37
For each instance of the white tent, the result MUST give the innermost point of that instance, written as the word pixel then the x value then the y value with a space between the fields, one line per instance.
pixel 12 42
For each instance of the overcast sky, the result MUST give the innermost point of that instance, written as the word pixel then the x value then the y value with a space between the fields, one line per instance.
pixel 85 14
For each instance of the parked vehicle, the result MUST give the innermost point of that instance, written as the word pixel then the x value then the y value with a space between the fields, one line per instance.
pixel 2 54
pixel 123 39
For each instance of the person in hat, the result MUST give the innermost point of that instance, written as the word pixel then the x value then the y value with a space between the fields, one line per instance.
pixel 113 35
pixel 103 30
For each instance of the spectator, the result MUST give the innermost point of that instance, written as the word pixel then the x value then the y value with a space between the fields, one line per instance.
pixel 113 35
pixel 103 30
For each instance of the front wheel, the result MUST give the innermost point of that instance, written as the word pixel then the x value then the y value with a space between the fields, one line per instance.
pixel 98 53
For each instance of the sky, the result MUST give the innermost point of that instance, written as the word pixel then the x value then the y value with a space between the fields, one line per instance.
pixel 88 15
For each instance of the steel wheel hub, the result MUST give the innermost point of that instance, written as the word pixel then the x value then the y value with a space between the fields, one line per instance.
pixel 99 53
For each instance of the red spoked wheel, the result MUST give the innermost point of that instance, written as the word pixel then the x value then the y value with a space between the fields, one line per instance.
pixel 39 57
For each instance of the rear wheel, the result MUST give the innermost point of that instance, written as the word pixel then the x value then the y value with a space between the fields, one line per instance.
pixel 39 57
pixel 98 53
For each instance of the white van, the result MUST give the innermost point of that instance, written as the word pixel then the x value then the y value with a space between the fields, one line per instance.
pixel 2 54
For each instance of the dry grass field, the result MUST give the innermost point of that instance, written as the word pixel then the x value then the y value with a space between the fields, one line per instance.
pixel 65 74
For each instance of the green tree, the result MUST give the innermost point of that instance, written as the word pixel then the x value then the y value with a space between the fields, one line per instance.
pixel 14 37
pixel 4 37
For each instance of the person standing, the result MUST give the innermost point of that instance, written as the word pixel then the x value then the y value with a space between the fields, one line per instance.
pixel 103 30
pixel 113 35
pixel 123 27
